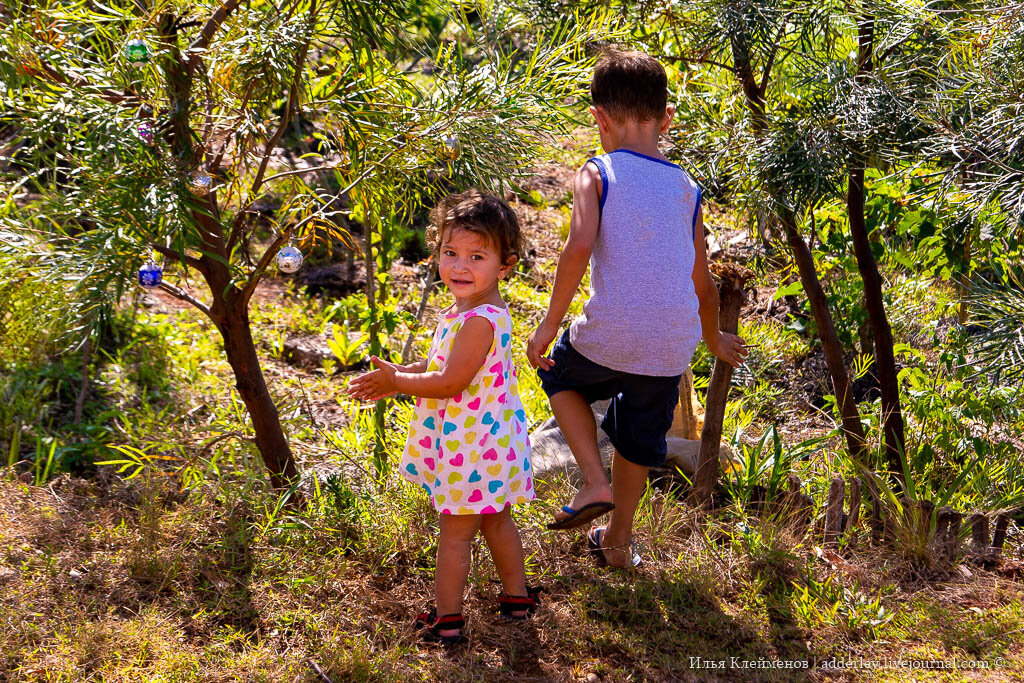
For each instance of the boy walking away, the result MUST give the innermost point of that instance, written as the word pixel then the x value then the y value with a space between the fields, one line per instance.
pixel 637 220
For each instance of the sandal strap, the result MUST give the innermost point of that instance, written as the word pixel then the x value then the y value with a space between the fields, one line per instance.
pixel 433 625
pixel 517 603
pixel 448 621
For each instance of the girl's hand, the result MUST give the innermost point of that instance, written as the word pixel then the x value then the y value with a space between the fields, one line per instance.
pixel 376 384
pixel 729 349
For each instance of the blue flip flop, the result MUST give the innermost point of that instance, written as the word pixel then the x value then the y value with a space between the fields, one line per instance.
pixel 594 544
pixel 587 513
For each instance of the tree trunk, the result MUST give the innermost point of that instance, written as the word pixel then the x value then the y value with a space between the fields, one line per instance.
pixel 266 423
pixel 852 428
pixel 885 358
pixel 965 280
pixel 754 96
pixel 733 279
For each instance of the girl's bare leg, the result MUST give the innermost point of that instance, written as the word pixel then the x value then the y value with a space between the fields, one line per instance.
pixel 453 557
pixel 502 538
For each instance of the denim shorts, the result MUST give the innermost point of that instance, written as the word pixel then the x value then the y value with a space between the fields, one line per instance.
pixel 641 409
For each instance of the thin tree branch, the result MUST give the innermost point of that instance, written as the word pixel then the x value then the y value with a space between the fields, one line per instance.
pixel 271 251
pixel 689 59
pixel 286 115
pixel 80 84
pixel 207 33
pixel 179 293
pixel 190 261
pixel 771 58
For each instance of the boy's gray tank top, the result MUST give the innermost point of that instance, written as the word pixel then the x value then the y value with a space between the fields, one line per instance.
pixel 642 316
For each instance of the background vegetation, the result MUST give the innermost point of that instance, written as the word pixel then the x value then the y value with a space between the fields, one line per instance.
pixel 166 518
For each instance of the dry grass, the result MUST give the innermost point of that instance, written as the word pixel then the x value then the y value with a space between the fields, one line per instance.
pixel 134 582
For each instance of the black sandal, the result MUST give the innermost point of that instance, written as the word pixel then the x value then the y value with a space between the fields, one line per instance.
pixel 508 604
pixel 434 624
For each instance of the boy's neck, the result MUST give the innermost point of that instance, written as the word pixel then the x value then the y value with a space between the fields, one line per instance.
pixel 636 136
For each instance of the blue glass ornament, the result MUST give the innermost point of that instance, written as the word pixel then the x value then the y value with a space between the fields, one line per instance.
pixel 289 259
pixel 150 275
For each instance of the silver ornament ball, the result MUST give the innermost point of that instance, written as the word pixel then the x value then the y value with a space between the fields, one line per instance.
pixel 200 183
pixel 289 259
pixel 453 146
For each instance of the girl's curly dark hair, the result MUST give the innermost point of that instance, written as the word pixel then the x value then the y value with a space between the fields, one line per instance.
pixel 484 214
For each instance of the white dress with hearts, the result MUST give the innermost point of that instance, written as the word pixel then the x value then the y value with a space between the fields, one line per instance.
pixel 471 452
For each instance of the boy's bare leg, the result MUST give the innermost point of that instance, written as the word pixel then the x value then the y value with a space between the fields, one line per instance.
pixel 576 421
pixel 628 482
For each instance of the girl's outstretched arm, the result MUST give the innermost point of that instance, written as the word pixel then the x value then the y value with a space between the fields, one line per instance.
pixel 469 350
pixel 417 367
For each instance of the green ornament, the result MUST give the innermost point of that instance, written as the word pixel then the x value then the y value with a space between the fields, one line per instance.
pixel 137 52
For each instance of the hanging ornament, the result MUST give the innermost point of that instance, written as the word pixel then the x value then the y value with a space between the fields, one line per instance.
pixel 200 183
pixel 150 275
pixel 137 52
pixel 146 133
pixel 289 259
pixel 453 146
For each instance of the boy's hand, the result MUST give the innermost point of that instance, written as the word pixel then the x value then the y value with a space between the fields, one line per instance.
pixel 376 384
pixel 538 345
pixel 729 348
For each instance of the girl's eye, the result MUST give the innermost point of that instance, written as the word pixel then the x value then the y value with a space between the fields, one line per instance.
pixel 477 257
pixel 449 252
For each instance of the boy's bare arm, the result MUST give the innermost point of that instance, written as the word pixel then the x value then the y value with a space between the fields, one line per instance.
pixel 572 263
pixel 723 345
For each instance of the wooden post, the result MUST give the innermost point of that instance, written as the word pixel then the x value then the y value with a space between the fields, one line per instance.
pixel 684 422
pixel 924 520
pixel 999 537
pixel 798 506
pixel 854 517
pixel 947 530
pixel 733 278
pixel 834 511
pixel 979 532
pixel 876 518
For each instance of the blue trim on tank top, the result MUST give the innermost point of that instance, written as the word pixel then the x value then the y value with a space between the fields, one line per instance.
pixel 604 183
pixel 696 210
pixel 644 156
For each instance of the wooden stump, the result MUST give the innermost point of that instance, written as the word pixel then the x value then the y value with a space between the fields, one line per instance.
pixel 947 531
pixel 999 537
pixel 854 517
pixel 798 506
pixel 979 531
pixel 925 508
pixel 733 279
pixel 834 511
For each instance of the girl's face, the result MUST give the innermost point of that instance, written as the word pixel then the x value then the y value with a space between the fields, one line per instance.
pixel 471 266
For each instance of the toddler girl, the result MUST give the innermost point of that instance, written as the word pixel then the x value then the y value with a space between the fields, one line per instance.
pixel 468 445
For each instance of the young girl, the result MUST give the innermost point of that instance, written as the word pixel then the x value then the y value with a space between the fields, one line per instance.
pixel 468 445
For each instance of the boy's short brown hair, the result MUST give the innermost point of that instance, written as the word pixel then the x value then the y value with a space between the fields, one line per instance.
pixel 629 85
pixel 484 214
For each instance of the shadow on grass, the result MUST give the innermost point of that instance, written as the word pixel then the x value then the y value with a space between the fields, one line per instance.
pixel 666 625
